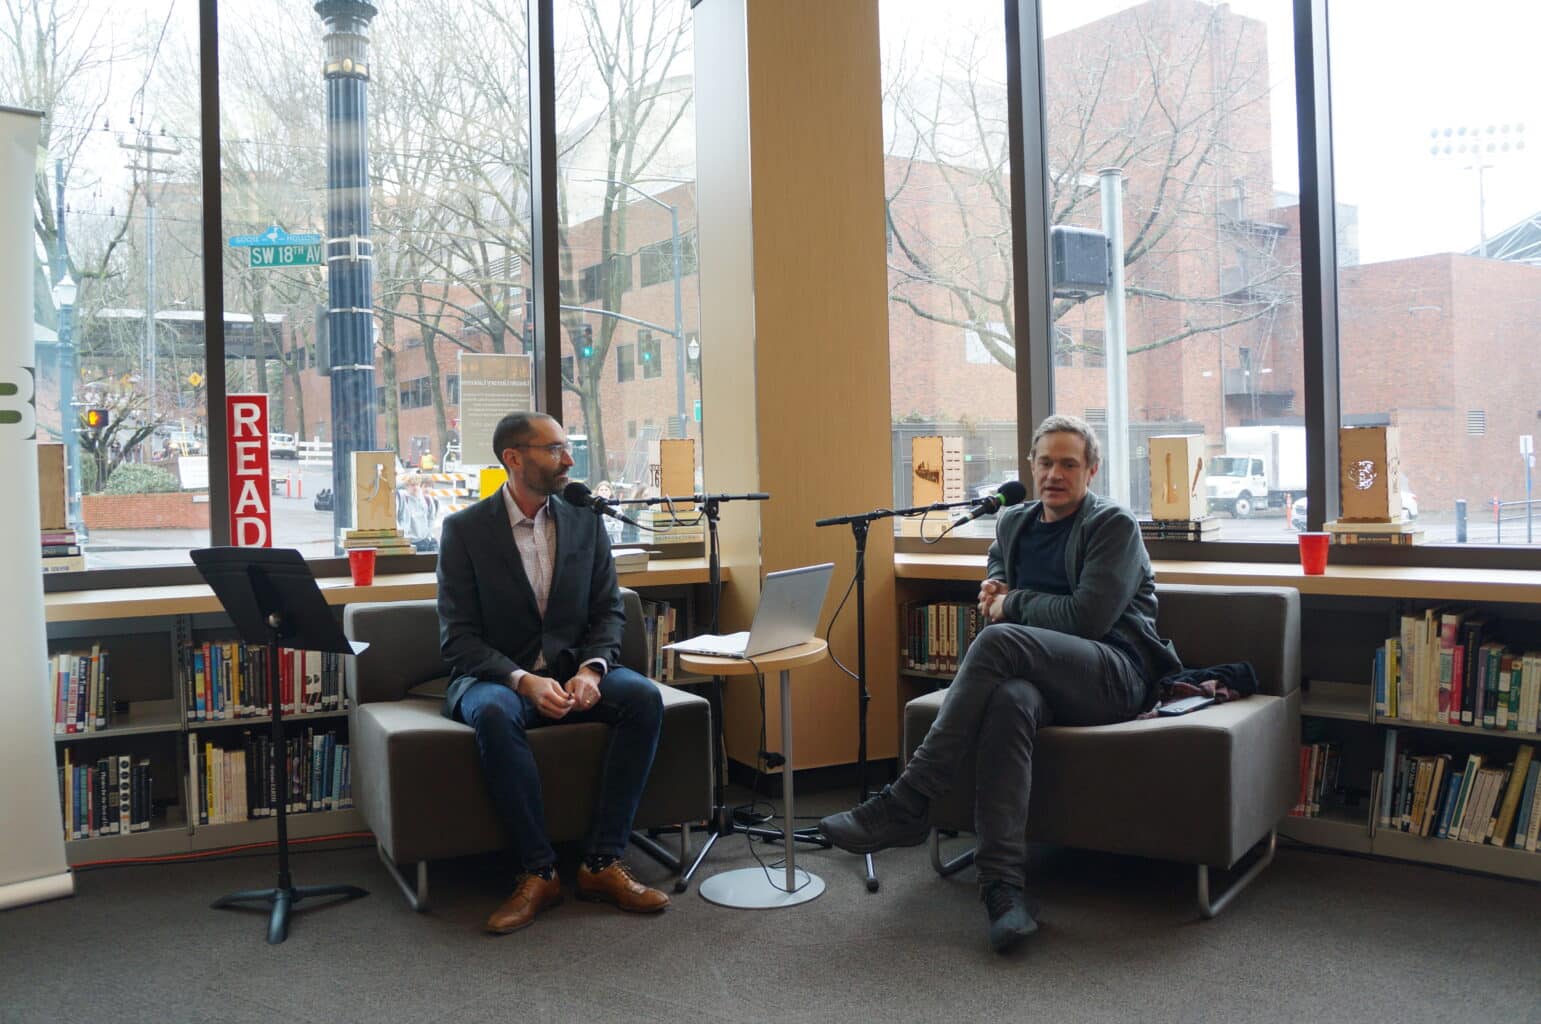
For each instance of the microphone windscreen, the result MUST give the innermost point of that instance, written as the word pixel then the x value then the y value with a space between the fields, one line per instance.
pixel 1013 492
pixel 577 493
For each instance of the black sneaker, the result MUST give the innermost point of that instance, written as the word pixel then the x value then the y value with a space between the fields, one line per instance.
pixel 876 824
pixel 1010 920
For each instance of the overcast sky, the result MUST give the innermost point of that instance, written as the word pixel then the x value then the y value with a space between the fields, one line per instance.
pixel 1400 69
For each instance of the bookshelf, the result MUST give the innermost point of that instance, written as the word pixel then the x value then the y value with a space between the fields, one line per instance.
pixel 143 629
pixel 1345 615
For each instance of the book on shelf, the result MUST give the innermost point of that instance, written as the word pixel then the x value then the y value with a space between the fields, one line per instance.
pixel 104 796
pixel 233 778
pixel 1369 526
pixel 1400 538
pixel 1319 767
pixel 630 559
pixel 64 563
pixel 938 634
pixel 224 680
pixel 1462 798
pixel 1443 668
pixel 81 690
pixel 1180 529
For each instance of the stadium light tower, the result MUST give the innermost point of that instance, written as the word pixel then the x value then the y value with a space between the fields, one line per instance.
pixel 1479 149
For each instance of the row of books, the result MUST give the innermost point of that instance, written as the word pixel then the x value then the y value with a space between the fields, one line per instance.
pixel 385 541
pixel 228 679
pixel 233 781
pixel 661 625
pixel 81 690
pixel 104 796
pixel 1319 766
pixel 1444 667
pixel 1469 801
pixel 937 635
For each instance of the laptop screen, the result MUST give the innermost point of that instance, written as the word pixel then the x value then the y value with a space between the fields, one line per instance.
pixel 790 603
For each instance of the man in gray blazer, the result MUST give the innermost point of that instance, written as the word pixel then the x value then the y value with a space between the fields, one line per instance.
pixel 530 621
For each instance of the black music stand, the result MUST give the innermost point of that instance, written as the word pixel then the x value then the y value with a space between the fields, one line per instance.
pixel 271 596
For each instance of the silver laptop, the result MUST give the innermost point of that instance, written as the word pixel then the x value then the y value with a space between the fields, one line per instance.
pixel 788 614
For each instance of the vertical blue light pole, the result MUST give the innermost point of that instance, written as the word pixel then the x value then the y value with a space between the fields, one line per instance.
pixel 349 251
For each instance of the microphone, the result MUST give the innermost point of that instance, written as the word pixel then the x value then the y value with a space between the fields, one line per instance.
pixel 1012 492
pixel 577 493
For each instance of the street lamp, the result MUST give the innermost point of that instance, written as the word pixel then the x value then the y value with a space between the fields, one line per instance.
pixel 64 294
pixel 1481 148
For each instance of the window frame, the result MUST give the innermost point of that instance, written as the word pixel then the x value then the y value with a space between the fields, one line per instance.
pixel 1030 277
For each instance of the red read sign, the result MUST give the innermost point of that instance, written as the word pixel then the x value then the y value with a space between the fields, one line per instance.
pixel 251 509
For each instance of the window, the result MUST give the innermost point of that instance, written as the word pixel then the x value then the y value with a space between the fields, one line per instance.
pixel 650 354
pixel 1094 355
pixel 1064 351
pixel 1440 313
pixel 947 189
pixel 628 182
pixel 136 334
pixel 452 389
pixel 1210 244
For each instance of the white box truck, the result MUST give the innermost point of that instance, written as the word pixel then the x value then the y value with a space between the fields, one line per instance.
pixel 1261 468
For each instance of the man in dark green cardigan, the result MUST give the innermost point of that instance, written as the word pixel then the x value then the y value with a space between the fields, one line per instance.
pixel 1071 599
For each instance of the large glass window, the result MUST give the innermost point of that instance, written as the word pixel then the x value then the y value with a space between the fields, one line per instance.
pixel 952 344
pixel 1171 150
pixel 1439 258
pixel 442 255
pixel 626 168
pixel 119 287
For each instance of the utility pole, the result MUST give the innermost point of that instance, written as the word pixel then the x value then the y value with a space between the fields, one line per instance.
pixel 149 147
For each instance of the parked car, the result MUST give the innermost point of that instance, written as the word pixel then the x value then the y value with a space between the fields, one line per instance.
pixel 283 446
pixel 1298 509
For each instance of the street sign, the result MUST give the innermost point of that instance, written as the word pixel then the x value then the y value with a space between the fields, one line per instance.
pixel 195 379
pixel 278 257
pixel 274 235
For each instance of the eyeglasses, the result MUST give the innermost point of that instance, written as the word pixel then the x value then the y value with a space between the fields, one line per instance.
pixel 558 450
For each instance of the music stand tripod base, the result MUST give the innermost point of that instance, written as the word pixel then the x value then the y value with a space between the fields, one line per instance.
pixel 752 889
pixel 282 900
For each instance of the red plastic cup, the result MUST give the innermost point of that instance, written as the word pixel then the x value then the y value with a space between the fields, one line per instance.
pixel 361 563
pixel 1313 553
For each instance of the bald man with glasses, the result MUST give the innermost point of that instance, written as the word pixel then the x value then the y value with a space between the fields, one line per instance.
pixel 530 621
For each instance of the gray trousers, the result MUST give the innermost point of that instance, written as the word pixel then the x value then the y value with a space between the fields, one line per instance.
pixel 1013 681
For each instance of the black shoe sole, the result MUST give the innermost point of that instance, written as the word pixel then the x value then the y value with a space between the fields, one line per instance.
pixel 853 847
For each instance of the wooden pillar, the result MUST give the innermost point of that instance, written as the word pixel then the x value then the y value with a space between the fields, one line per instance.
pixel 794 335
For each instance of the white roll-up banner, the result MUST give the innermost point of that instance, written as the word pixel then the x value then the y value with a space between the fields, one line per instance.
pixel 32 864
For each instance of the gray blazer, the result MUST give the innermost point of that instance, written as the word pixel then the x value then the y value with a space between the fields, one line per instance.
pixel 489 623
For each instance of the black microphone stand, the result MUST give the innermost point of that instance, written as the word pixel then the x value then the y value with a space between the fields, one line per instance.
pixel 860 526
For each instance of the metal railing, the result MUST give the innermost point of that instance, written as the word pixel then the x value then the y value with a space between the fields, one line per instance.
pixel 1514 512
pixel 315 453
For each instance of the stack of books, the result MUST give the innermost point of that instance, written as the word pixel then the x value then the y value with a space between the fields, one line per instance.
pixel 1394 531
pixel 1205 527
pixel 385 542
pixel 686 524
pixel 61 551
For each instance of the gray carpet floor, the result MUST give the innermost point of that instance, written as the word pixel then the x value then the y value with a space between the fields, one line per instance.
pixel 1318 937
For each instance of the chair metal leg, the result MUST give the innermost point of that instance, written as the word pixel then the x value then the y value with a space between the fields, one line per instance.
pixel 654 849
pixel 948 867
pixel 418 899
pixel 1209 908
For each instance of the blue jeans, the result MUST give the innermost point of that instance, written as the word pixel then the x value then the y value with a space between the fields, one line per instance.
pixel 633 708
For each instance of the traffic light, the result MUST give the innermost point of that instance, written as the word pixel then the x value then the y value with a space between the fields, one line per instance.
pixel 95 419
pixel 586 341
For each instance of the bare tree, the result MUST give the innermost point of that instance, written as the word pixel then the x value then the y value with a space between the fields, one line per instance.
pixel 1165 92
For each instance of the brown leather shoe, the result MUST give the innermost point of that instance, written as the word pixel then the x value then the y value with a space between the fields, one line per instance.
pixel 532 895
pixel 615 885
